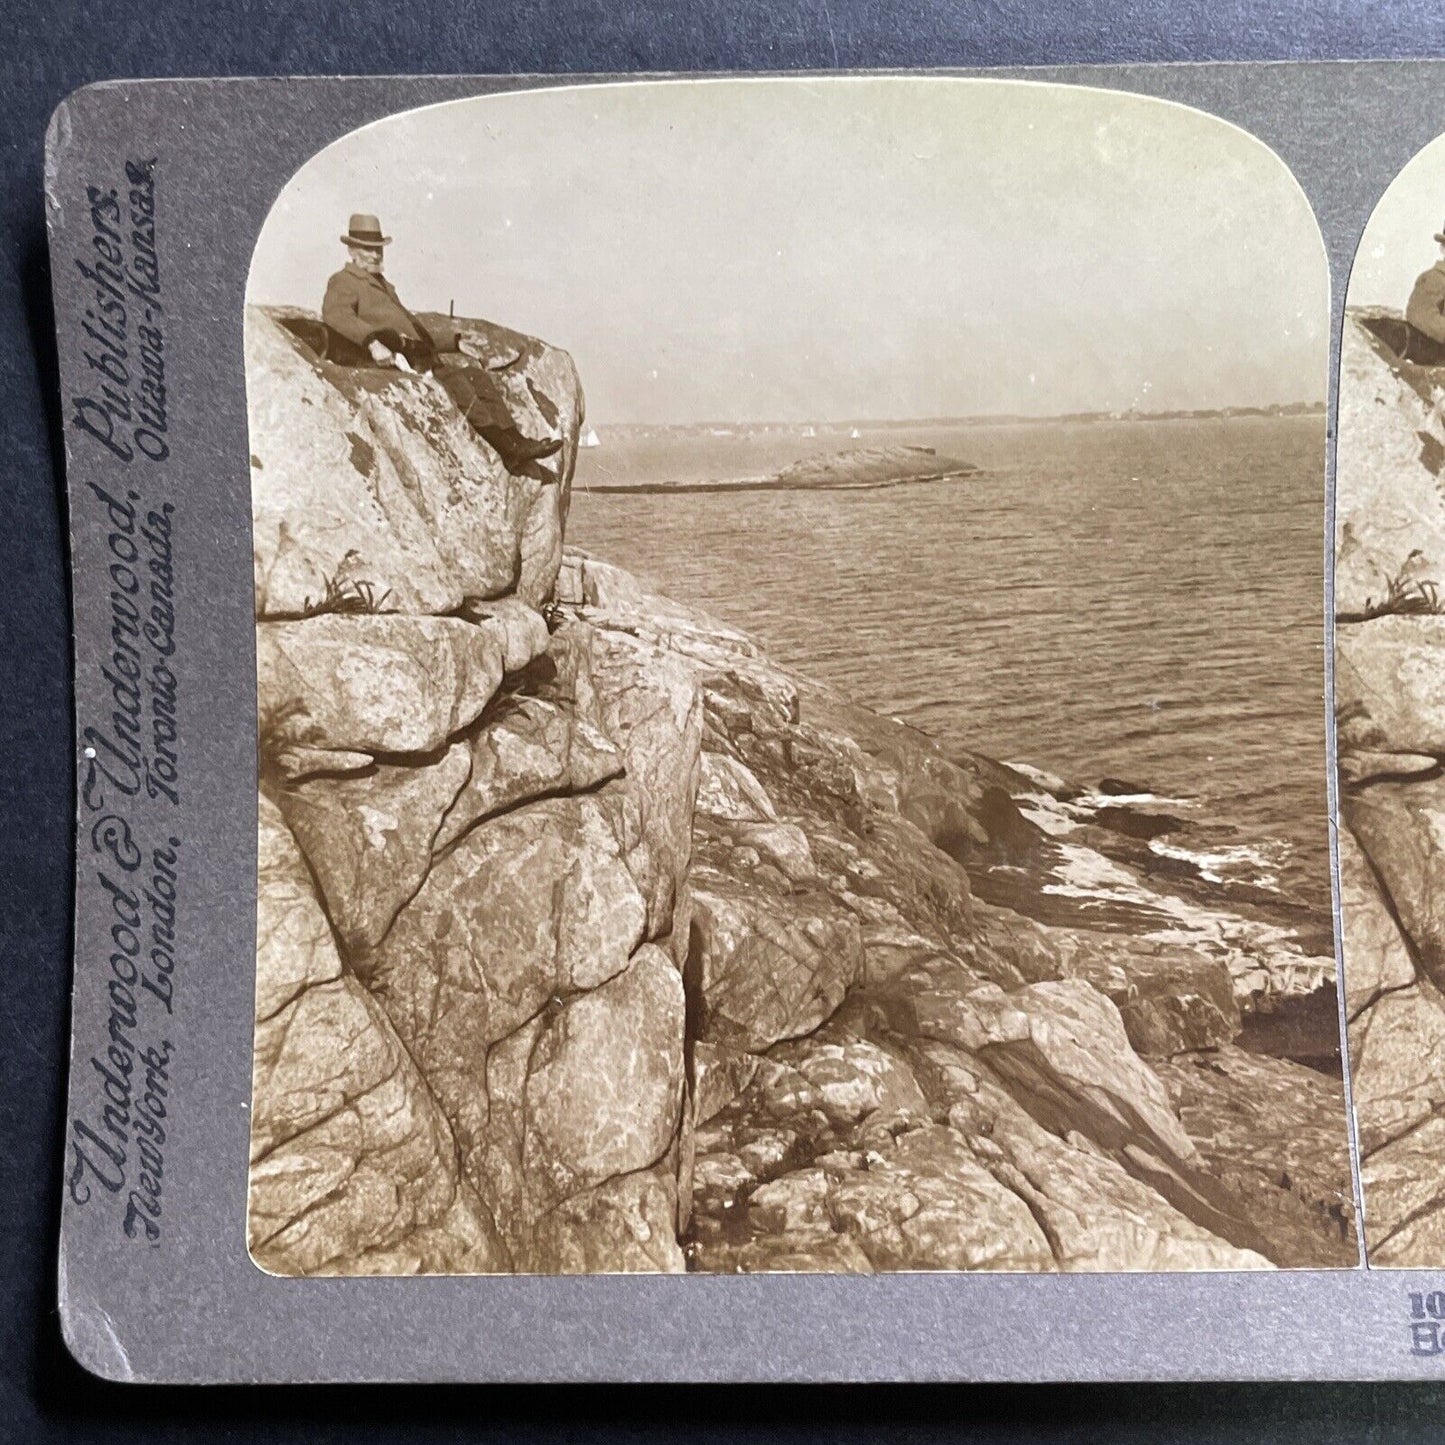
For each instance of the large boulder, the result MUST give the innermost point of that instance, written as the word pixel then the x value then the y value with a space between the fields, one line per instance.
pixel 773 962
pixel 651 704
pixel 623 1225
pixel 605 1082
pixel 585 1114
pixel 1397 1019
pixel 1171 998
pixel 1397 1063
pixel 373 684
pixel 929 1204
pixel 369 836
pixel 1404 1203
pixel 1390 685
pixel 535 905
pixel 1389 510
pixel 728 789
pixel 1268 1130
pixel 520 974
pixel 843 1155
pixel 1063 1049
pixel 1401 828
pixel 369 484
pixel 528 748
pixel 1096 1214
pixel 1377 958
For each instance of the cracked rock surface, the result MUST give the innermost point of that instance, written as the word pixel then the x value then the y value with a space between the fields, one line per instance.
pixel 1390 718
pixel 891 1073
pixel 591 940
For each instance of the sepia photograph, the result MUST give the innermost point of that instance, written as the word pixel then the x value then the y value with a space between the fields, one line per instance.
pixel 1390 709
pixel 790 651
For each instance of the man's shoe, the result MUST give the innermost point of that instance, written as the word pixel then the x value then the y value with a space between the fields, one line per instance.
pixel 518 450
pixel 526 450
pixel 515 450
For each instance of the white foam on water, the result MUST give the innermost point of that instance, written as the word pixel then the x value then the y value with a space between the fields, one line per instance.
pixel 1058 818
pixel 1086 804
pixel 1047 813
pixel 1049 782
pixel 1225 864
pixel 1257 864
pixel 1085 873
pixel 1094 801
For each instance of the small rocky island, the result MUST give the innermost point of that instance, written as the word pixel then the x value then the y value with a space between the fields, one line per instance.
pixel 591 939
pixel 854 469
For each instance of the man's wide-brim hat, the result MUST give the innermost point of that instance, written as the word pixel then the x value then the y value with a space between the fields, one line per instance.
pixel 365 230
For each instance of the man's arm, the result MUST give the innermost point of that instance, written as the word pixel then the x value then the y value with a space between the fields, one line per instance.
pixel 339 310
pixel 1426 310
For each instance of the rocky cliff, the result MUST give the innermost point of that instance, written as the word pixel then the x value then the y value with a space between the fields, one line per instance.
pixel 591 939
pixel 1390 718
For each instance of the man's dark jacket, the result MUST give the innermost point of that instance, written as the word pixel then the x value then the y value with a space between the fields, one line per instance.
pixel 362 307
pixel 1426 310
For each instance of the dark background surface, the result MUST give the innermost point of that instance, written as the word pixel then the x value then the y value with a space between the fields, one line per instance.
pixel 51 49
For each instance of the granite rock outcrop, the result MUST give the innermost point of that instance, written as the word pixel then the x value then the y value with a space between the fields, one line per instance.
pixel 590 939
pixel 473 907
pixel 892 1071
pixel 1390 726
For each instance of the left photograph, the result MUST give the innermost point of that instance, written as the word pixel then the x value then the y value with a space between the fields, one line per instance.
pixel 791 724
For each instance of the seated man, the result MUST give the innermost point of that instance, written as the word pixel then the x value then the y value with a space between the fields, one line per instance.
pixel 369 326
pixel 1425 314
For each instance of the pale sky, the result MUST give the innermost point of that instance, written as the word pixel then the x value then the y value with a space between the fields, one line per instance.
pixel 1398 242
pixel 819 248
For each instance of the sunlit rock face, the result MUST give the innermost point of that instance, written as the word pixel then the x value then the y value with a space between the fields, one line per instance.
pixel 1389 522
pixel 590 939
pixel 368 487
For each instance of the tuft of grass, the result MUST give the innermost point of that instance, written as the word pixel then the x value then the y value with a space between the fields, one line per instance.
pixel 1418 597
pixel 348 599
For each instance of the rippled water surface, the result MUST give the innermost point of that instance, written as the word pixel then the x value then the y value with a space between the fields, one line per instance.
pixel 1136 600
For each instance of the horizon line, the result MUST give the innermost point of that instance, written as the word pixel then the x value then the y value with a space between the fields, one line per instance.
pixel 1173 413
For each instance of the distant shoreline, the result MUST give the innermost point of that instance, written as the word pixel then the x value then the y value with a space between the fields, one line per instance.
pixel 827 429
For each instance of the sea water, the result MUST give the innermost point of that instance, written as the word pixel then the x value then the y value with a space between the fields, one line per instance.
pixel 1134 600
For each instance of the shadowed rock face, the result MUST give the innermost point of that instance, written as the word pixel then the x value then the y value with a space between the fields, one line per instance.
pixel 610 945
pixel 1390 711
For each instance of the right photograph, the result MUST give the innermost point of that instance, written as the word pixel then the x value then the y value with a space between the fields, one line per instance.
pixel 1390 709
